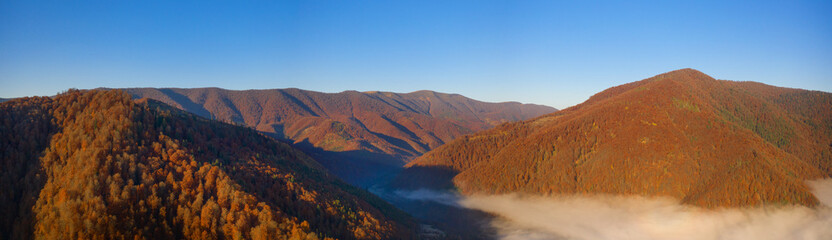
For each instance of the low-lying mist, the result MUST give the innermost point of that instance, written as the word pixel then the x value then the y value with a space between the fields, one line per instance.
pixel 634 217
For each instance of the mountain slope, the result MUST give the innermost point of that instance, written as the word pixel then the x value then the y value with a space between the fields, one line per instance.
pixel 356 135
pixel 96 165
pixel 681 134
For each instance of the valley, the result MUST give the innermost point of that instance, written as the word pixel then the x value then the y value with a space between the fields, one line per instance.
pixel 682 134
pixel 258 164
pixel 359 136
pixel 415 120
pixel 96 165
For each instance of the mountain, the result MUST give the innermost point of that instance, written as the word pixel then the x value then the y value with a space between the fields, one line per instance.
pixel 97 165
pixel 358 136
pixel 682 134
pixel 4 99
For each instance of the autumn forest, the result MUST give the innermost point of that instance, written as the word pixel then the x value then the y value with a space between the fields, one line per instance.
pixel 97 165
pixel 294 164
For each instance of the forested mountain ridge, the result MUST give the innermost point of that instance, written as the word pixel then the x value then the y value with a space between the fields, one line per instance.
pixel 681 134
pixel 356 135
pixel 97 165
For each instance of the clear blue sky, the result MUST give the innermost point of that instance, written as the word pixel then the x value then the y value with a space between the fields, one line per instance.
pixel 556 53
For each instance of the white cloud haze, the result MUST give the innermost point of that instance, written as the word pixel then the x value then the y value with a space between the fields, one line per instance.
pixel 634 217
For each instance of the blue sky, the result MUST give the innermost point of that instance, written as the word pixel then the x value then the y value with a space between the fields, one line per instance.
pixel 556 53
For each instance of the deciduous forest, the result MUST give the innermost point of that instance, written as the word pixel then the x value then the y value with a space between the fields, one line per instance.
pixel 97 165
pixel 358 136
pixel 682 134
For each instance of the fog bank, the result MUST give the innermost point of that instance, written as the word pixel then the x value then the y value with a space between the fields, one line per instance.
pixel 634 217
pixel 645 218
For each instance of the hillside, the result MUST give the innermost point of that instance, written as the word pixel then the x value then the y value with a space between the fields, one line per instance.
pixel 97 165
pixel 356 135
pixel 682 134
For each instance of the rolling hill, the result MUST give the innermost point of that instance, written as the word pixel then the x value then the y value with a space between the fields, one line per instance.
pixel 97 165
pixel 358 136
pixel 682 134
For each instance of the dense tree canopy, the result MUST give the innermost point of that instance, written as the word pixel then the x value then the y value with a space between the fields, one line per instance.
pixel 97 165
pixel 682 134
pixel 358 136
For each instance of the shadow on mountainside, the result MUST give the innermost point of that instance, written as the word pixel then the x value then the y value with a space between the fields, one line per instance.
pixel 456 221
pixel 428 193
pixel 424 177
pixel 186 103
pixel 360 168
pixel 22 179
pixel 372 171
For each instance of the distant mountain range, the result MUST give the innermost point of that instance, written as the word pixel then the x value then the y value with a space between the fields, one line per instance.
pixel 683 134
pixel 154 163
pixel 96 165
pixel 359 136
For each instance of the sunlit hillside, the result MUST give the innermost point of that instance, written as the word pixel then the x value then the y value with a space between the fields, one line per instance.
pixel 681 134
pixel 97 165
pixel 356 135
